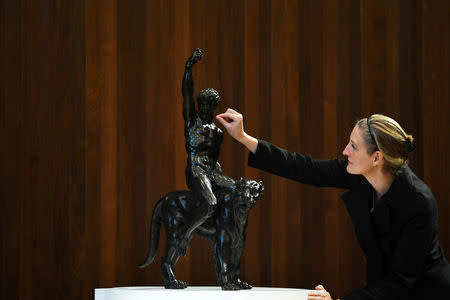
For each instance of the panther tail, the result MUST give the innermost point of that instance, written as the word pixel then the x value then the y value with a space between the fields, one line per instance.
pixel 155 229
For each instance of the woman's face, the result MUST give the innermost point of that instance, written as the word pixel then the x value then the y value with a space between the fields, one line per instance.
pixel 359 161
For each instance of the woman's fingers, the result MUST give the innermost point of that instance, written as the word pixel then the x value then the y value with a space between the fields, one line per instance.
pixel 232 121
pixel 230 113
pixel 229 117
pixel 225 117
pixel 230 110
pixel 224 120
pixel 319 294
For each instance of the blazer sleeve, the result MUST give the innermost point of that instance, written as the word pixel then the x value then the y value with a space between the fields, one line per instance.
pixel 408 261
pixel 278 161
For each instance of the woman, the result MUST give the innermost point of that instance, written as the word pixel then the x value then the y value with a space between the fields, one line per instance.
pixel 393 211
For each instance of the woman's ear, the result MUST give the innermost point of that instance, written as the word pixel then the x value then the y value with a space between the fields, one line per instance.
pixel 377 158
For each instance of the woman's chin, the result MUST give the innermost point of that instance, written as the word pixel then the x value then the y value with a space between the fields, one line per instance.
pixel 350 169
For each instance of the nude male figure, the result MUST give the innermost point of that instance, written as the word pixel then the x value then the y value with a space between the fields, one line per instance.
pixel 204 176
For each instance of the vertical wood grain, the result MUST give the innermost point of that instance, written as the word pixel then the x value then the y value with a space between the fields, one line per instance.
pixel 436 103
pixel 92 130
pixel 101 134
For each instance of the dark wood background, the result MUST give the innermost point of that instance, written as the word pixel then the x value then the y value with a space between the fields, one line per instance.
pixel 91 129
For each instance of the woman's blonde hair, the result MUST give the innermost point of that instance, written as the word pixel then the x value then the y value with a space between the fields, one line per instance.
pixel 386 135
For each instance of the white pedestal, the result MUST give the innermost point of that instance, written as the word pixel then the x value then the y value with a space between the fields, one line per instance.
pixel 199 293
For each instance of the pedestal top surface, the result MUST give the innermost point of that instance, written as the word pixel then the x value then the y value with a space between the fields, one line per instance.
pixel 198 293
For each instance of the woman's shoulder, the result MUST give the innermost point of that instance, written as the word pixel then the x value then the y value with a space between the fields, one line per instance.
pixel 418 195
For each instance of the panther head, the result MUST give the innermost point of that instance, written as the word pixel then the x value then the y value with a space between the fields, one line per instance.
pixel 249 192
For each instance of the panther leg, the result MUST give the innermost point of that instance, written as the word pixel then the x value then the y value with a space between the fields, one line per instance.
pixel 222 251
pixel 168 265
pixel 173 253
pixel 236 268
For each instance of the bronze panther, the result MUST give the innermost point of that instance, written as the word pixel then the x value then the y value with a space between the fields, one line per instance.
pixel 225 229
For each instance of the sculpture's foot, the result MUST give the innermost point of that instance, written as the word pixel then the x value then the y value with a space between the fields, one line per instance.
pixel 242 285
pixel 175 284
pixel 229 286
pixel 168 272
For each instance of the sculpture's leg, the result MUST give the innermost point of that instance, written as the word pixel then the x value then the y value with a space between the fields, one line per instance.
pixel 201 188
pixel 196 220
pixel 173 253
pixel 236 266
pixel 222 251
pixel 168 265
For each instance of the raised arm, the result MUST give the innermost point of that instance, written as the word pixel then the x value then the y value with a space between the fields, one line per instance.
pixel 270 158
pixel 187 90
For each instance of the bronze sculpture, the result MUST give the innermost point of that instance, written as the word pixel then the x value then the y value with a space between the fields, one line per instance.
pixel 216 206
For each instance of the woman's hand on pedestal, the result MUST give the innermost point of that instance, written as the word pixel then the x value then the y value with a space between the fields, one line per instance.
pixel 319 294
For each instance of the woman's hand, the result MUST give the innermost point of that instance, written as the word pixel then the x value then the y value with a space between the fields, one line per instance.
pixel 319 294
pixel 234 124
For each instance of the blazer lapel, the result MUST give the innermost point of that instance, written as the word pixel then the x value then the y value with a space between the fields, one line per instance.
pixel 382 227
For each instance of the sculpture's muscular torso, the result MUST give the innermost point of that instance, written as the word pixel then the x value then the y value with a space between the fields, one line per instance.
pixel 204 175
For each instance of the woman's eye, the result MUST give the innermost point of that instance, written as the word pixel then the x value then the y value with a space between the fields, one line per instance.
pixel 353 146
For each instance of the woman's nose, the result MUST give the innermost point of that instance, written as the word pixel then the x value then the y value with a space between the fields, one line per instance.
pixel 345 152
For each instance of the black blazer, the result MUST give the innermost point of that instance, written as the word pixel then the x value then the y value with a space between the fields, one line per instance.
pixel 399 238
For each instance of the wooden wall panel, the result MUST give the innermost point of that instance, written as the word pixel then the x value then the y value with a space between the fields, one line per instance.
pixel 436 107
pixel 101 136
pixel 12 189
pixel 92 130
pixel 132 139
pixel 43 151
pixel 410 77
